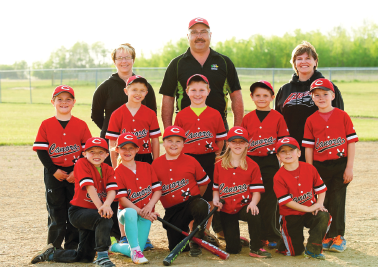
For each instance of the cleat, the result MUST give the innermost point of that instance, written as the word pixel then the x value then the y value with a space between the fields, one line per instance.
pixel 309 254
pixel 261 253
pixel 327 243
pixel 137 257
pixel 43 255
pixel 104 262
pixel 338 245
pixel 123 240
pixel 244 242
pixel 148 245
pixel 195 249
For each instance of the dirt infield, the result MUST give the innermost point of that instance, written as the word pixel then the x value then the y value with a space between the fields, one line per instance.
pixel 23 223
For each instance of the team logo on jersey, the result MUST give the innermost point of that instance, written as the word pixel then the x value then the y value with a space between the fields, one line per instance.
pixel 303 99
pixel 145 145
pixel 174 186
pixel 245 200
pixel 214 67
pixel 263 142
pixel 186 193
pixel 135 197
pixel 197 136
pixel 57 151
pixel 303 198
pixel 209 146
pixel 328 144
pixel 226 191
pixel 139 134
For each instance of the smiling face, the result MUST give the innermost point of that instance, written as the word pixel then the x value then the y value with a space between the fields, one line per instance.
pixel 136 92
pixel 238 146
pixel 323 99
pixel 305 64
pixel 262 98
pixel 96 155
pixel 63 103
pixel 199 38
pixel 127 152
pixel 198 92
pixel 123 62
pixel 288 155
pixel 173 145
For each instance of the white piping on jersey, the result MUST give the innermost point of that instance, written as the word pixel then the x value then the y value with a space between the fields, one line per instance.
pixel 256 187
pixel 352 137
pixel 284 199
pixel 86 180
pixel 204 181
pixel 111 186
pixel 40 145
pixel 155 133
pixel 221 135
pixel 112 135
pixel 319 189
pixel 156 185
pixel 308 142
pixel 121 192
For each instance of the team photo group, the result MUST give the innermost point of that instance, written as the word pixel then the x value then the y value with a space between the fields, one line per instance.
pixel 279 170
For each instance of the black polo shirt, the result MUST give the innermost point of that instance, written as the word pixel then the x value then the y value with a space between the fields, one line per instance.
pixel 219 70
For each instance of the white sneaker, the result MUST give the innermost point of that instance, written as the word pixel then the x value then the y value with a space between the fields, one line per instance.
pixel 138 257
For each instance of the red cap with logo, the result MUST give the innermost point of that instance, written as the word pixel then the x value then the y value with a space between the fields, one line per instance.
pixel 63 88
pixel 263 84
pixel 323 84
pixel 174 131
pixel 198 20
pixel 287 141
pixel 237 132
pixel 197 77
pixel 127 138
pixel 96 142
pixel 136 78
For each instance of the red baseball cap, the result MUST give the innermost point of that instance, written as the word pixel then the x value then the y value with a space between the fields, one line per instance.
pixel 96 142
pixel 323 84
pixel 197 77
pixel 136 78
pixel 198 20
pixel 287 141
pixel 174 131
pixel 127 138
pixel 63 88
pixel 237 132
pixel 263 84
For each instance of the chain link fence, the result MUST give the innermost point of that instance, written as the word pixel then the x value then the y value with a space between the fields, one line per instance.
pixel 36 86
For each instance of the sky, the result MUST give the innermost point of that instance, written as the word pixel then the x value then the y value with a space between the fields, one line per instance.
pixel 31 30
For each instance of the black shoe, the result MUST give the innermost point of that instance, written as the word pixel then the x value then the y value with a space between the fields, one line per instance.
pixel 44 254
pixel 105 262
pixel 195 249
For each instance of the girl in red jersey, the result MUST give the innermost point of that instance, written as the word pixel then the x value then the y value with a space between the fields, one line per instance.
pixel 139 190
pixel 238 181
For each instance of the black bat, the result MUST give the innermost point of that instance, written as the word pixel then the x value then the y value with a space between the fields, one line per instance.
pixel 180 246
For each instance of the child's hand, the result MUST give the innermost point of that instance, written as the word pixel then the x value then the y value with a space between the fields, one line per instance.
pixel 146 210
pixel 60 175
pixel 153 216
pixel 71 178
pixel 348 175
pixel 253 208
pixel 218 204
pixel 105 211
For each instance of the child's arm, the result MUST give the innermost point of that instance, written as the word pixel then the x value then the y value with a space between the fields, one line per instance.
pixel 202 189
pixel 71 178
pixel 60 175
pixel 155 147
pixel 309 154
pixel 105 210
pixel 320 203
pixel 220 144
pixel 128 204
pixel 113 153
pixel 256 196
pixel 348 173
pixel 93 195
pixel 148 208
pixel 216 201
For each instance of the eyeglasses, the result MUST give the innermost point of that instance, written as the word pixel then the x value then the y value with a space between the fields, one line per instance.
pixel 123 58
pixel 196 33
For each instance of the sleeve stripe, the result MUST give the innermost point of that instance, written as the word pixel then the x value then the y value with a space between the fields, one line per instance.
pixel 215 186
pixel 220 135
pixel 86 180
pixel 155 131
pixel 111 185
pixel 112 135
pixel 40 145
pixel 203 181
pixel 203 178
pixel 256 187
pixel 322 187
pixel 122 191
pixel 284 198
pixel 352 137
pixel 308 142
pixel 155 185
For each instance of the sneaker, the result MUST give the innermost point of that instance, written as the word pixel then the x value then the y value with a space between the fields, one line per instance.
pixel 261 253
pixel 123 240
pixel 137 257
pixel 210 238
pixel 44 254
pixel 148 245
pixel 220 235
pixel 327 242
pixel 195 249
pixel 104 262
pixel 272 245
pixel 244 242
pixel 309 254
pixel 338 245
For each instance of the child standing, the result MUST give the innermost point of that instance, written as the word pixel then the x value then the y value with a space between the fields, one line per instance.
pixel 265 127
pixel 184 182
pixel 237 180
pixel 59 144
pixel 295 185
pixel 139 190
pixel 329 140
pixel 95 189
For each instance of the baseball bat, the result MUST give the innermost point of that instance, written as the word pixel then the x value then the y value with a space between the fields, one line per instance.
pixel 213 249
pixel 180 246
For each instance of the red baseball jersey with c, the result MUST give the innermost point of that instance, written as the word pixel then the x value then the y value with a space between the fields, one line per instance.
pixel 144 125
pixel 236 186
pixel 301 189
pixel 180 179
pixel 330 138
pixel 264 135
pixel 137 187
pixel 63 145
pixel 87 174
pixel 201 131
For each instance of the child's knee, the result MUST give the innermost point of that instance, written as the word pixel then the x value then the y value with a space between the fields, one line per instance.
pixel 130 216
pixel 323 217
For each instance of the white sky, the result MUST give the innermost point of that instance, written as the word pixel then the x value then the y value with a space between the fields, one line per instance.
pixel 31 30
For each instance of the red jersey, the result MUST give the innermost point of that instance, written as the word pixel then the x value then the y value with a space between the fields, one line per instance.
pixel 143 124
pixel 87 174
pixel 264 135
pixel 201 131
pixel 236 186
pixel 330 138
pixel 63 145
pixel 301 189
pixel 137 187
pixel 180 178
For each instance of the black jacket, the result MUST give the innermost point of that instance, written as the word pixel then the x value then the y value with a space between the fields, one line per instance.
pixel 109 96
pixel 294 102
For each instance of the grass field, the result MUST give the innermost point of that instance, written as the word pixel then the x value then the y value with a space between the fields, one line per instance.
pixel 20 120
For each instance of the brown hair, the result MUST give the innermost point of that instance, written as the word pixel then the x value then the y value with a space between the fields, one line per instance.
pixel 126 47
pixel 226 159
pixel 304 47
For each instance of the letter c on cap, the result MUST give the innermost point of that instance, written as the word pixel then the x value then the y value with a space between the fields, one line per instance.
pixel 96 141
pixel 175 130
pixel 128 137
pixel 238 131
pixel 320 82
pixel 65 88
pixel 285 140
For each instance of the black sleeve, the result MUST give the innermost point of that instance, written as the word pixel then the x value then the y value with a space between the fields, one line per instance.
pixel 338 102
pixel 232 76
pixel 98 105
pixel 44 157
pixel 169 84
pixel 151 99
pixel 276 105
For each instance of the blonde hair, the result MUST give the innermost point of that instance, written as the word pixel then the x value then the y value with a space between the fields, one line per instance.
pixel 126 47
pixel 304 47
pixel 226 159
